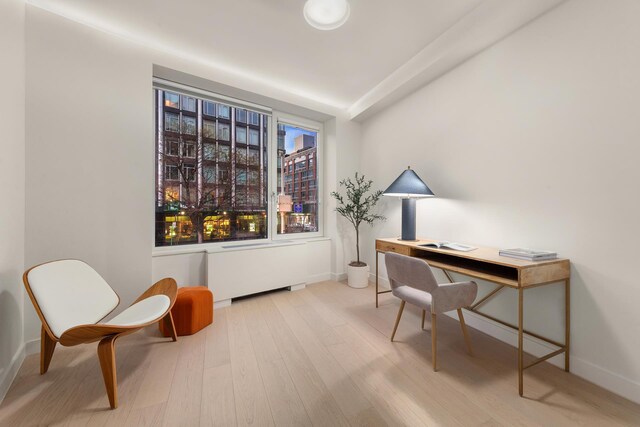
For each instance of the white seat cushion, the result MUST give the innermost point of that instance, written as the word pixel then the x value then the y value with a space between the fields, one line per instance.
pixel 70 293
pixel 147 310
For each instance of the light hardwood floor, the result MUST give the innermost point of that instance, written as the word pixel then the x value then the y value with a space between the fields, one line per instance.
pixel 319 356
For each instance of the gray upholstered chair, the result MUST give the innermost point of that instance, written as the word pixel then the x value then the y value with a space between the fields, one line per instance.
pixel 413 281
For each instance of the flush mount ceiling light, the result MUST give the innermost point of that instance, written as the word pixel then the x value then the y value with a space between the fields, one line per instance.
pixel 326 14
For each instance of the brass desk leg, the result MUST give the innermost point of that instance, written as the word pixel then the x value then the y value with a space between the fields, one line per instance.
pixel 567 322
pixel 520 341
pixel 377 253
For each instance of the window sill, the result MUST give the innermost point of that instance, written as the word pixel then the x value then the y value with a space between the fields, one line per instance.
pixel 233 246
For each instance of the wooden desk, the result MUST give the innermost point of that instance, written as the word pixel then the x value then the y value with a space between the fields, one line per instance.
pixel 486 264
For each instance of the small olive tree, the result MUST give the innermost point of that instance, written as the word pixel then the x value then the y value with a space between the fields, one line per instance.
pixel 357 206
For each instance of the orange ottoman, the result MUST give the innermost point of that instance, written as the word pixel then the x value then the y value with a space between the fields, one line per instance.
pixel 192 311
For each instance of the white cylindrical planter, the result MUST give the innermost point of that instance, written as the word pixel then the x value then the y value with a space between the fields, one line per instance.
pixel 358 277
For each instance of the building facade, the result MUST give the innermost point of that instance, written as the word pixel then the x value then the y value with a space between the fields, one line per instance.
pixel 211 171
pixel 300 180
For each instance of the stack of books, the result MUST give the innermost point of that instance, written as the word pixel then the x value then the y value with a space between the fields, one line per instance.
pixel 528 254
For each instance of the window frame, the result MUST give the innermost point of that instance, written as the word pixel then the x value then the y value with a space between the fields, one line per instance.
pixel 306 124
pixel 274 117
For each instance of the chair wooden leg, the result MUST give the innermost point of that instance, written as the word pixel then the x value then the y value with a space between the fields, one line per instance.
pixel 107 356
pixel 433 341
pixel 168 325
pixel 464 331
pixel 424 313
pixel 47 346
pixel 395 328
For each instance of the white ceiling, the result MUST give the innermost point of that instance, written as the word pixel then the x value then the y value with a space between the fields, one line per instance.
pixel 270 38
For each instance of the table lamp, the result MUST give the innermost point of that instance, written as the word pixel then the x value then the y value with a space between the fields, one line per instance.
pixel 409 187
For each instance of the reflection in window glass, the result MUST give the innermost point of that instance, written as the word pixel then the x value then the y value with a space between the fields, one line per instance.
pixel 241 156
pixel 209 108
pixel 241 115
pixel 171 122
pixel 209 174
pixel 171 100
pixel 224 132
pixel 223 153
pixel 224 111
pixel 254 137
pixel 209 151
pixel 254 157
pixel 189 125
pixel 254 118
pixel 241 135
pixel 208 129
pixel 188 103
pixel 241 176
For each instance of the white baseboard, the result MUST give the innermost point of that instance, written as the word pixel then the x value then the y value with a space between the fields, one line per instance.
pixel 315 278
pixel 297 287
pixel 338 277
pixel 222 303
pixel 11 372
pixel 32 347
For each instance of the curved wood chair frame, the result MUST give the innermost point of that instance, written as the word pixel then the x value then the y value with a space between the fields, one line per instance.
pixel 106 334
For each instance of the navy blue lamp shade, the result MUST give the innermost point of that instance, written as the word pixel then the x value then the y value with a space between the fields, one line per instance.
pixel 409 187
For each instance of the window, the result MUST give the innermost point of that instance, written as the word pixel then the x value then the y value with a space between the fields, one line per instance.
pixel 224 111
pixel 223 153
pixel 172 147
pixel 241 156
pixel 209 174
pixel 208 129
pixel 190 150
pixel 206 186
pixel 241 135
pixel 209 151
pixel 299 148
pixel 241 176
pixel 171 122
pixel 171 173
pixel 171 100
pixel 224 132
pixel 216 161
pixel 254 157
pixel 254 137
pixel 189 125
pixel 209 108
pixel 254 118
pixel 188 103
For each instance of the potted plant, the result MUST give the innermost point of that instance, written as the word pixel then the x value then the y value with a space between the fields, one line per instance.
pixel 357 206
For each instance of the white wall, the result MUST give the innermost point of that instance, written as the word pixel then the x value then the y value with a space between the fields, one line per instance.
pixel 12 175
pixel 534 143
pixel 90 151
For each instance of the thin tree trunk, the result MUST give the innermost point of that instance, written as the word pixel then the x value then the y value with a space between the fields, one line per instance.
pixel 358 245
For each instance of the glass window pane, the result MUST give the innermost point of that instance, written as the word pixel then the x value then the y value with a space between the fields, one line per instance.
pixel 209 108
pixel 241 135
pixel 298 200
pixel 224 153
pixel 254 157
pixel 224 111
pixel 188 103
pixel 208 129
pixel 241 156
pixel 241 115
pixel 224 132
pixel 254 118
pixel 171 100
pixel 189 125
pixel 189 150
pixel 209 174
pixel 241 176
pixel 254 137
pixel 171 122
pixel 209 151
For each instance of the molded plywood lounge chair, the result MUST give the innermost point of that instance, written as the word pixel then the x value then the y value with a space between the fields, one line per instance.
pixel 71 298
pixel 413 281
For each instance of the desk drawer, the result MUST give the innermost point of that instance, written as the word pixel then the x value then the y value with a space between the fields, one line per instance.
pixel 391 247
